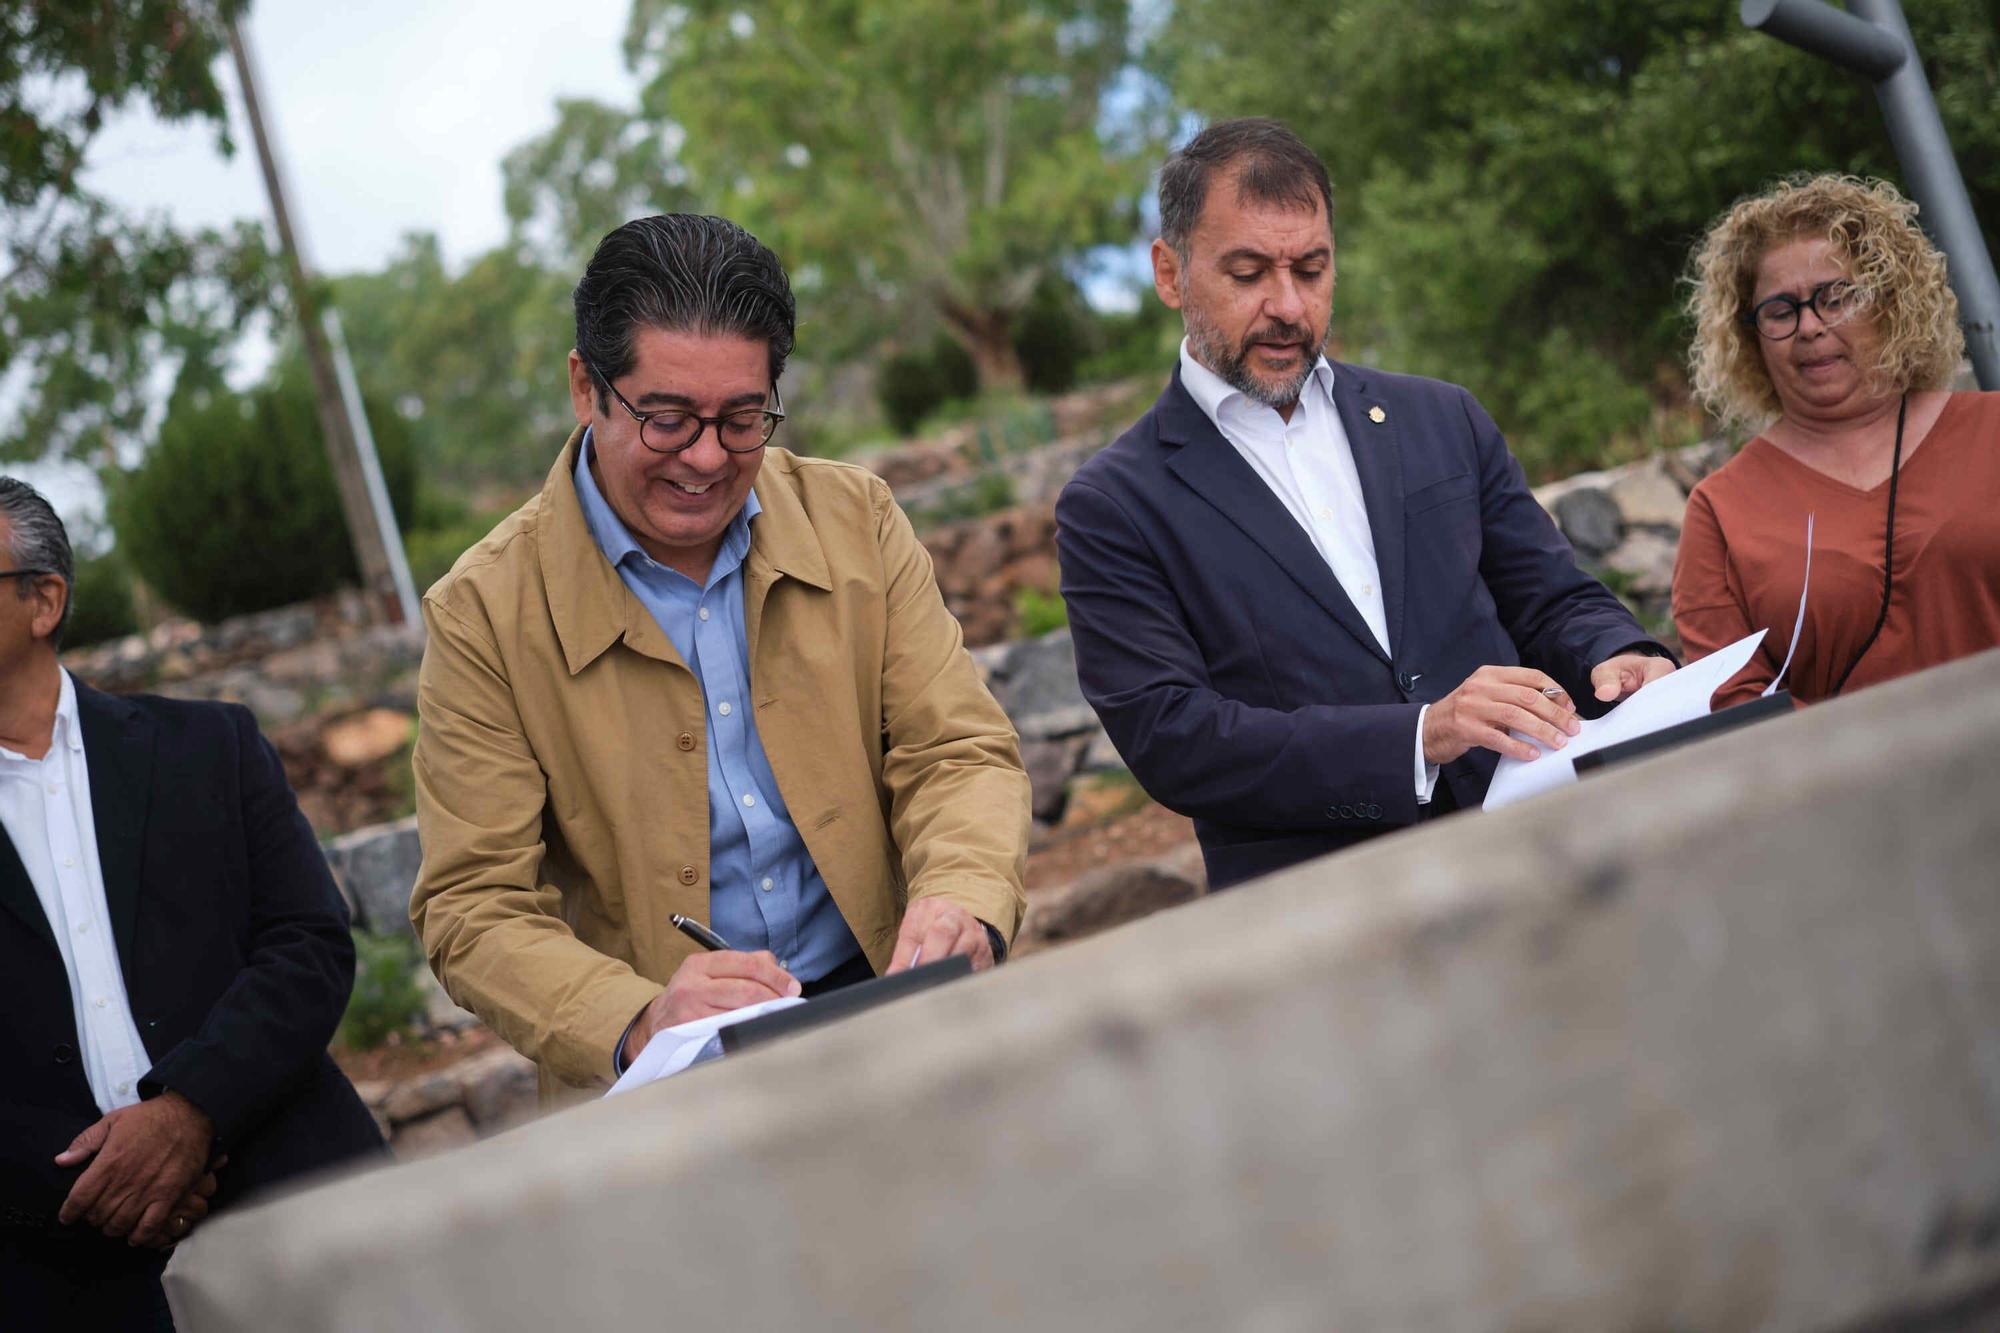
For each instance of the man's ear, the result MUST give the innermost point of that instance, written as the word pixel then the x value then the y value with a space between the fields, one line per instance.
pixel 582 390
pixel 1167 274
pixel 51 598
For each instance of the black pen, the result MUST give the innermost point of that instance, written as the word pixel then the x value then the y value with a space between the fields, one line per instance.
pixel 699 933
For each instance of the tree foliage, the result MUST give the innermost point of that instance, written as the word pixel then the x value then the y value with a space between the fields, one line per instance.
pixel 913 161
pixel 234 508
pixel 95 305
pixel 1518 182
pixel 473 363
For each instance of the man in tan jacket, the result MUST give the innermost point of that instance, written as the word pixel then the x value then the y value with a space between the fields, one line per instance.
pixel 698 675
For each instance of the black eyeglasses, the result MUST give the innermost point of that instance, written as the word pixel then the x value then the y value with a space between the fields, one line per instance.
pixel 1836 302
pixel 671 430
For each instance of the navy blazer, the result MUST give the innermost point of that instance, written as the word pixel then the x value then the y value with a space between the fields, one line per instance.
pixel 1237 680
pixel 233 943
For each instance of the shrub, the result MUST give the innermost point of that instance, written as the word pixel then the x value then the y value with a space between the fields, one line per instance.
pixel 1037 613
pixel 101 602
pixel 913 385
pixel 388 998
pixel 1053 337
pixel 234 508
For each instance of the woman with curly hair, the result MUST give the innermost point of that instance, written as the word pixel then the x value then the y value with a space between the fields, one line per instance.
pixel 1822 317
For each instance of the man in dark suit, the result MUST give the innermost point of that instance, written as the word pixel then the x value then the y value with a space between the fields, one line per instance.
pixel 1310 601
pixel 174 957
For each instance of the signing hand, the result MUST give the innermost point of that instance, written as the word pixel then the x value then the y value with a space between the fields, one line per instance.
pixel 710 983
pixel 1617 677
pixel 940 929
pixel 148 1160
pixel 1494 701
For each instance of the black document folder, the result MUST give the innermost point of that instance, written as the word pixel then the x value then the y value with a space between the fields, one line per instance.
pixel 844 1003
pixel 1694 729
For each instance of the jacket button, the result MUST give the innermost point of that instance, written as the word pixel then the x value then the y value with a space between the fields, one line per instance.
pixel 1405 681
pixel 1347 812
pixel 1374 811
pixel 686 741
pixel 64 1052
pixel 689 874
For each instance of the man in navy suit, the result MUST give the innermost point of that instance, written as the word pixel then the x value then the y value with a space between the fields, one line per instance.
pixel 1309 600
pixel 173 959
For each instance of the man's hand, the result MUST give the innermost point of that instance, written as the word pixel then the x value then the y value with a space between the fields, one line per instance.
pixel 934 928
pixel 1620 676
pixel 1493 701
pixel 709 983
pixel 149 1159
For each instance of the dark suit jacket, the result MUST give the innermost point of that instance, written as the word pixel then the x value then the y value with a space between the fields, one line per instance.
pixel 234 946
pixel 1232 672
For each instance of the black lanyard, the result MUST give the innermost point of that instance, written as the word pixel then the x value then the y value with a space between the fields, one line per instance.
pixel 1888 552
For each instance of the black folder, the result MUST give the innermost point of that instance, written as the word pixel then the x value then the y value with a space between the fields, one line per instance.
pixel 1694 729
pixel 843 1003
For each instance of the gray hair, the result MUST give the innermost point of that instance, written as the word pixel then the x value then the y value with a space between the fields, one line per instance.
pixel 37 539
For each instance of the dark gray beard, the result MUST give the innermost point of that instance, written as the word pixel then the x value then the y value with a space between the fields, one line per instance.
pixel 1232 363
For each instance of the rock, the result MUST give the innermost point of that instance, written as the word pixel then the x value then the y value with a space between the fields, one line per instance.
pixel 273 703
pixel 439 1133
pixel 317 661
pixel 1591 520
pixel 374 1091
pixel 416 1098
pixel 1648 497
pixel 366 738
pixel 1648 559
pixel 1100 755
pixel 1039 689
pixel 378 868
pixel 1109 897
pixel 499 1089
pixel 1050 765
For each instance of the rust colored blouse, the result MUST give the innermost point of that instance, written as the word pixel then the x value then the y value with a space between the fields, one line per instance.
pixel 1742 560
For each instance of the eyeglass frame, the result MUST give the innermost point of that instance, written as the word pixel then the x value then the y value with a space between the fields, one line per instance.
pixel 773 415
pixel 1861 297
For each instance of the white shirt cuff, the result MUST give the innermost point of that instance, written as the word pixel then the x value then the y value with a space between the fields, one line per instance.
pixel 1427 774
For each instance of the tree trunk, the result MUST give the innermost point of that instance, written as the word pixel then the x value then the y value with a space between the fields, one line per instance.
pixel 987 336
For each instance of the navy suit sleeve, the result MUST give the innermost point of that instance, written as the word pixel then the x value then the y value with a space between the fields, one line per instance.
pixel 1561 619
pixel 1193 750
pixel 265 1035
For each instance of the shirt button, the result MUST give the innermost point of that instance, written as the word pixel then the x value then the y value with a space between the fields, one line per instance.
pixel 686 740
pixel 703 613
pixel 68 861
pixel 723 708
pixel 689 874
pixel 124 1088
pixel 99 1002
pixel 54 787
pixel 766 885
pixel 748 799
pixel 83 929
pixel 1324 512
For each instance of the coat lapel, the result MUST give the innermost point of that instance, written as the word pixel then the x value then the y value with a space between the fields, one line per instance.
pixel 1213 469
pixel 17 894
pixel 1378 459
pixel 118 748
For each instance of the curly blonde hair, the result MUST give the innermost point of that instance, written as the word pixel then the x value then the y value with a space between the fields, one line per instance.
pixel 1874 234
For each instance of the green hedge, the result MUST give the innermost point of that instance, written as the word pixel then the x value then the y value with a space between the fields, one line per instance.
pixel 234 509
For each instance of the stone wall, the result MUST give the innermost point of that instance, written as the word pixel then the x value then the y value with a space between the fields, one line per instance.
pixel 1711 1041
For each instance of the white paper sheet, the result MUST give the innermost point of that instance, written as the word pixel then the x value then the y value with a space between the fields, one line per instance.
pixel 687 1044
pixel 1677 697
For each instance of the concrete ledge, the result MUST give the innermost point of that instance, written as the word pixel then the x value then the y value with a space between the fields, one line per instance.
pixel 1709 1043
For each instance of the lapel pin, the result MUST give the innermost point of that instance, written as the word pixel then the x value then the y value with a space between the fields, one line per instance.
pixel 1377 415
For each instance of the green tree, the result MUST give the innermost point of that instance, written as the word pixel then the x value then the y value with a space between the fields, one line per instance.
pixel 915 162
pixel 94 304
pixel 234 508
pixel 1518 182
pixel 474 364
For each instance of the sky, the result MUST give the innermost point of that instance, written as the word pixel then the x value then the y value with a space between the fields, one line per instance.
pixel 389 116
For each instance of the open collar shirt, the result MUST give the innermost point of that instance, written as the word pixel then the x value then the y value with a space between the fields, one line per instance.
pixel 45 808
pixel 1308 464
pixel 765 892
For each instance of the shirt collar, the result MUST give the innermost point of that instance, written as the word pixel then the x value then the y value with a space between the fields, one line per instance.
pixel 616 540
pixel 1215 395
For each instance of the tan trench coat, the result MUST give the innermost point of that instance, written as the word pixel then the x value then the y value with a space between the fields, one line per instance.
pixel 562 762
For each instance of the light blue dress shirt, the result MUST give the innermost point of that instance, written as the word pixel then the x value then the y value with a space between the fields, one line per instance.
pixel 764 890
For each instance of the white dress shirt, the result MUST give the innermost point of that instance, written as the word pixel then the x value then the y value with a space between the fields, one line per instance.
pixel 45 808
pixel 1308 463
